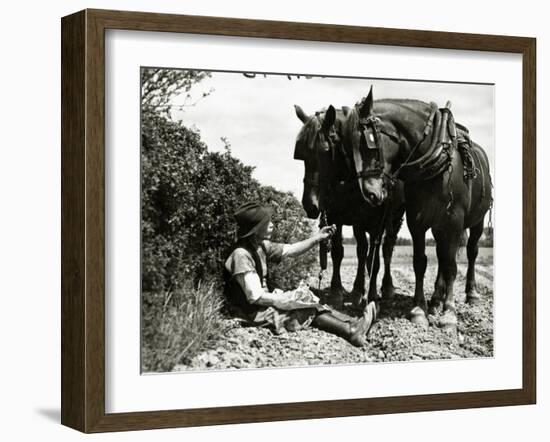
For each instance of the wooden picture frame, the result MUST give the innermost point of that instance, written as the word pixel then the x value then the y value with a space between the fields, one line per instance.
pixel 83 220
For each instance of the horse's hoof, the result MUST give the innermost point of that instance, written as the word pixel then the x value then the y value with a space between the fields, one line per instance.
pixel 418 316
pixel 448 321
pixel 436 305
pixel 473 298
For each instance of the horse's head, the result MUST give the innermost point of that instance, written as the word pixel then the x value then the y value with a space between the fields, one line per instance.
pixel 372 149
pixel 315 147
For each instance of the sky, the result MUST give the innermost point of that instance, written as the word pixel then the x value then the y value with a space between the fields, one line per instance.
pixel 256 116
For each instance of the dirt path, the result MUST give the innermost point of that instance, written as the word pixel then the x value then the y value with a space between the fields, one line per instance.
pixel 392 338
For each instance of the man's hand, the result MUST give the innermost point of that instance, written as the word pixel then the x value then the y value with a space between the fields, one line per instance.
pixel 303 246
pixel 326 232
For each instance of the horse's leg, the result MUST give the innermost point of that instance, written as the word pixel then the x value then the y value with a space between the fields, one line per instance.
pixel 436 302
pixel 373 265
pixel 472 295
pixel 448 319
pixel 362 249
pixel 420 261
pixel 337 255
pixel 388 290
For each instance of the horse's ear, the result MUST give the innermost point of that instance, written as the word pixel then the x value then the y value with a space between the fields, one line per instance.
pixel 301 114
pixel 330 117
pixel 366 106
pixel 345 110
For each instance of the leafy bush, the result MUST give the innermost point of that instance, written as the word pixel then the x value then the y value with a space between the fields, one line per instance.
pixel 189 196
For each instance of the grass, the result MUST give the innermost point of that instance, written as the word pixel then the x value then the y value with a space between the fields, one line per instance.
pixel 177 324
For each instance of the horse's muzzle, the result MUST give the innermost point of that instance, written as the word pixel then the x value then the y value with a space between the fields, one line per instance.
pixel 374 196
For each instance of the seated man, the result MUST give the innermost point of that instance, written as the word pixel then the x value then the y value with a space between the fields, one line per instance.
pixel 245 271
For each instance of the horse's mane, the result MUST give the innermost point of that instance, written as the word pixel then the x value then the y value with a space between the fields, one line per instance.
pixel 307 135
pixel 308 131
pixel 401 101
pixel 391 111
pixel 393 105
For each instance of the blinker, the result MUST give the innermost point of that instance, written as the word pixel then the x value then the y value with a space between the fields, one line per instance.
pixel 370 134
pixel 370 140
pixel 300 151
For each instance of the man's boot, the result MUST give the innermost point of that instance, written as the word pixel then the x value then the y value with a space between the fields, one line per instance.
pixel 353 330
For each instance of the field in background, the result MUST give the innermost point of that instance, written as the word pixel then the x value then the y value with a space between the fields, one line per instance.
pixel 403 255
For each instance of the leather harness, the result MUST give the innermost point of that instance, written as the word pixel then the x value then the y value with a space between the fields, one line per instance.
pixel 433 162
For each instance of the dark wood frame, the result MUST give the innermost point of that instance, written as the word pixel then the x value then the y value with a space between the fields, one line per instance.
pixel 83 216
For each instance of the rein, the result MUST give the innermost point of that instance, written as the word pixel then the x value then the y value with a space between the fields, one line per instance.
pixel 325 247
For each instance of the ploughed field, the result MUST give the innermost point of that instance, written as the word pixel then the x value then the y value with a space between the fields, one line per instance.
pixel 392 338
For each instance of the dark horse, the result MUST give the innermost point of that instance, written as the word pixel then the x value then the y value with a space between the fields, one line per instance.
pixel 420 144
pixel 331 190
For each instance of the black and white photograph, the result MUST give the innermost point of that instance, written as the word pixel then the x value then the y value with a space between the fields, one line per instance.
pixel 292 220
pixel 252 221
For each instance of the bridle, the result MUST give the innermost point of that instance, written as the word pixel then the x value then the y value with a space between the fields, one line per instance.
pixel 371 137
pixel 428 165
pixel 370 134
pixel 325 145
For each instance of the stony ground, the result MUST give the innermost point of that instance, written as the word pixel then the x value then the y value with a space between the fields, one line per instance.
pixel 392 338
